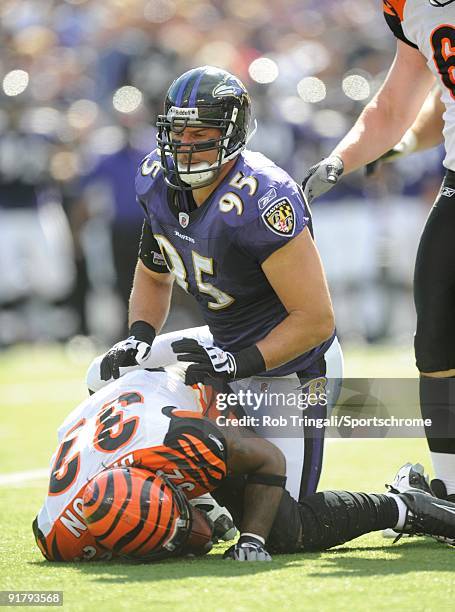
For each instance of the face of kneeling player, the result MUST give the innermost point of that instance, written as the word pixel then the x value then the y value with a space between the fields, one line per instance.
pixel 140 516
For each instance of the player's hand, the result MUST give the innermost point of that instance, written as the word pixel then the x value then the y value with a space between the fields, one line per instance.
pixel 206 361
pixel 247 548
pixel 133 351
pixel 321 177
pixel 389 156
pixel 398 151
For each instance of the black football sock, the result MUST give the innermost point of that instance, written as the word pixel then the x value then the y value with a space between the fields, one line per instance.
pixel 335 517
pixel 437 402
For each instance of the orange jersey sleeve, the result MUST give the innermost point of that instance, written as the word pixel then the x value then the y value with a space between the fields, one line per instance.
pixel 394 16
pixel 394 7
pixel 193 454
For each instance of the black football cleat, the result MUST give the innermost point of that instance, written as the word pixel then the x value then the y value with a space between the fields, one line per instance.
pixel 439 490
pixel 428 516
pixel 409 477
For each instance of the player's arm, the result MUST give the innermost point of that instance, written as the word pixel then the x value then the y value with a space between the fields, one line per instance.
pixel 266 468
pixel 428 126
pixel 382 123
pixel 148 308
pixel 424 133
pixel 152 285
pixel 296 275
pixel 150 296
pixel 390 113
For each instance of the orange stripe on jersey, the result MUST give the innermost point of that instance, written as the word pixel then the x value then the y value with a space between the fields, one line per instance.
pixel 69 538
pixel 214 464
pixel 201 391
pixel 186 414
pixel 189 456
pixel 177 466
pixel 394 7
pixel 159 457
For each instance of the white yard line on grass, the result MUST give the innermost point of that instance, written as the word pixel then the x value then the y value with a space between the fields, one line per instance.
pixel 21 478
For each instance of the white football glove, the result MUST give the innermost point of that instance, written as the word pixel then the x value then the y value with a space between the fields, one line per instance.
pixel 248 548
pixel 223 524
pixel 129 352
pixel 321 177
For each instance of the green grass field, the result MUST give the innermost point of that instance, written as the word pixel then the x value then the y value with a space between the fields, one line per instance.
pixel 39 386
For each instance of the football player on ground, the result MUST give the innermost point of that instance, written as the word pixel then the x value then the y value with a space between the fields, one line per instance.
pixel 232 229
pixel 425 32
pixel 132 455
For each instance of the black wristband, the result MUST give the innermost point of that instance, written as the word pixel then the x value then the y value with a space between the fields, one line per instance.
pixel 143 331
pixel 249 362
pixel 270 480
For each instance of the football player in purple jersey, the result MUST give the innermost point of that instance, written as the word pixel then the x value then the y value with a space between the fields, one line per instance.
pixel 233 230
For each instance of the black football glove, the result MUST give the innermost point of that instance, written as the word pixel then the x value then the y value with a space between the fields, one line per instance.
pixel 133 351
pixel 212 362
pixel 321 177
pixel 206 361
pixel 407 145
pixel 248 548
pixel 389 156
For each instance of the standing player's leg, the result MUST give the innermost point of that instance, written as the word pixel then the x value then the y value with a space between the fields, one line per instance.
pixel 434 294
pixel 328 383
pixel 302 447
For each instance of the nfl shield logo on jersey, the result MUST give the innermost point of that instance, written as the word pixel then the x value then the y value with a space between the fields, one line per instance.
pixel 280 217
pixel 184 219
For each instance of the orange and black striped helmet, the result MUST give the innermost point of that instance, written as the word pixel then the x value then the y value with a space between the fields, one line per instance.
pixel 136 514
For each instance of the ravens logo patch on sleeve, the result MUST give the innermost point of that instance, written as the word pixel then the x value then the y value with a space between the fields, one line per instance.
pixel 280 217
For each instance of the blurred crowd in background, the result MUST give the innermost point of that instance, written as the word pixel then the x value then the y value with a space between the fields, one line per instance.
pixel 81 84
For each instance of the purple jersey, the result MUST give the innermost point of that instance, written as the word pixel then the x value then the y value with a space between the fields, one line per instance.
pixel 216 250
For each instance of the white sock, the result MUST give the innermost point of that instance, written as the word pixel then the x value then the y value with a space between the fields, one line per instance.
pixel 444 469
pixel 402 510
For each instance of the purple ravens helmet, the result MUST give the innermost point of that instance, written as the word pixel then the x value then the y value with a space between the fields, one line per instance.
pixel 204 97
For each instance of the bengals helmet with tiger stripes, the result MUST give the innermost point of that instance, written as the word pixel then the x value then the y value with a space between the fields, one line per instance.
pixel 139 515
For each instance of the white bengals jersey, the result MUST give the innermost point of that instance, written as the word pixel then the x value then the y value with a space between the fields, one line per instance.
pixel 429 25
pixel 146 419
